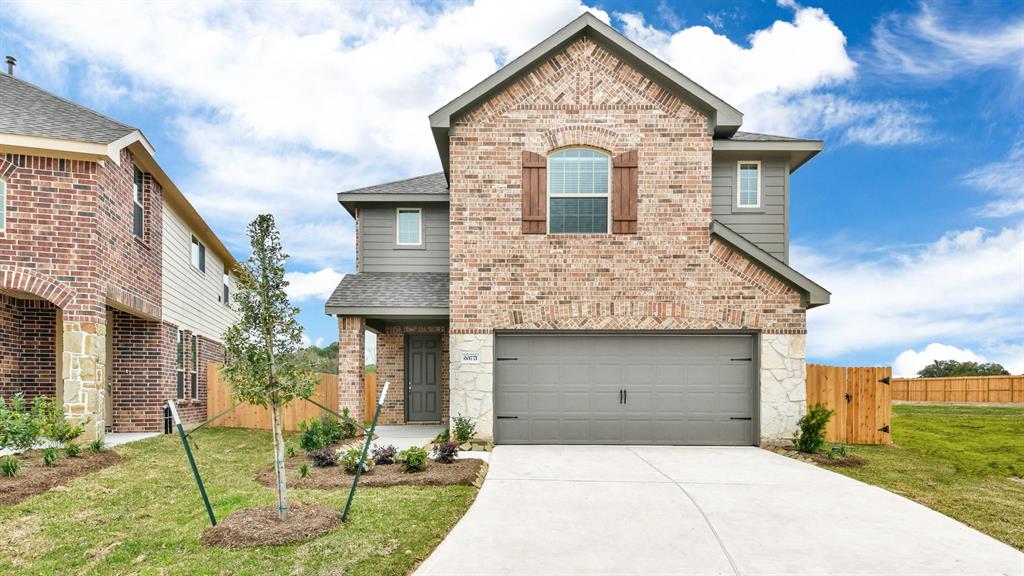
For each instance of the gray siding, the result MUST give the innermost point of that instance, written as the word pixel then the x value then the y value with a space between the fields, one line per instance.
pixel 766 227
pixel 379 251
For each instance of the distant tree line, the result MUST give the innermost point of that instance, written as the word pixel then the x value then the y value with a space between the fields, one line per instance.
pixel 953 368
pixel 319 359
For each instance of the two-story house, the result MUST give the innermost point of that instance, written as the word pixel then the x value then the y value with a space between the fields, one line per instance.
pixel 114 293
pixel 602 259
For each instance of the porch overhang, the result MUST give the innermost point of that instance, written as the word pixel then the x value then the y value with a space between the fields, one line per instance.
pixel 391 297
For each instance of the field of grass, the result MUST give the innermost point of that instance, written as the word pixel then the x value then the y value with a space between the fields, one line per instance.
pixel 964 461
pixel 145 516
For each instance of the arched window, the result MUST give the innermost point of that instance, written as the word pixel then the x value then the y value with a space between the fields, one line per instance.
pixel 579 182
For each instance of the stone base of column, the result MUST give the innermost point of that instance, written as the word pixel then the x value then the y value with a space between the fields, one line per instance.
pixel 83 367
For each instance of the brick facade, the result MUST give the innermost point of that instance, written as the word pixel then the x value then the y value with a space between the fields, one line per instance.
pixel 28 347
pixel 351 365
pixel 667 276
pixel 391 368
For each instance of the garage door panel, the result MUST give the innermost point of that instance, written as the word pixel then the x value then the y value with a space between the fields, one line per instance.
pixel 681 389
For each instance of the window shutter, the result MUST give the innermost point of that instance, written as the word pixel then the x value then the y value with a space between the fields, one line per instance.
pixel 624 190
pixel 535 193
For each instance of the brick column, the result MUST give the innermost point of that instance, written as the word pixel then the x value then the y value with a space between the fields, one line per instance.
pixel 351 364
pixel 84 374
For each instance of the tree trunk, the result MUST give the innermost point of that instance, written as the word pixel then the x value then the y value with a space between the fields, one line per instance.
pixel 279 452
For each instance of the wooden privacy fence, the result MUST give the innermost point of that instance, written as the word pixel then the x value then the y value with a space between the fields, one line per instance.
pixel 218 399
pixel 860 398
pixel 966 389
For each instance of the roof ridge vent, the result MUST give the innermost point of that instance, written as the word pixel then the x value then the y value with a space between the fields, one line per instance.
pixel 11 63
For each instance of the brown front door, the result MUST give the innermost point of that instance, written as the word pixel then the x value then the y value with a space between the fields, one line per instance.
pixel 423 377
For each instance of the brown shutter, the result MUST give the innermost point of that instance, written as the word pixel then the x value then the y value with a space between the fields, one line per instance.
pixel 535 193
pixel 624 190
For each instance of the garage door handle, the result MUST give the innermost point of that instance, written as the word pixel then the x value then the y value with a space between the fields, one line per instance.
pixel 503 359
pixel 738 418
pixel 740 359
pixel 508 417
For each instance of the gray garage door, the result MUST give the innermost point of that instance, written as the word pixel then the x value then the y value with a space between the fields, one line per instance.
pixel 624 389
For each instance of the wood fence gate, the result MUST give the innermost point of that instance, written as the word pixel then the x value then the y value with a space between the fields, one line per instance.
pixel 860 398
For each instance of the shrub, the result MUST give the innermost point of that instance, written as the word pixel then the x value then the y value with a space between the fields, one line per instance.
pixel 72 449
pixel 444 436
pixel 289 450
pixel 811 435
pixel 9 466
pixel 19 427
pixel 348 425
pixel 49 456
pixel 412 459
pixel 465 428
pixel 52 423
pixel 320 432
pixel 303 470
pixel 445 452
pixel 324 457
pixel 837 452
pixel 96 446
pixel 383 454
pixel 350 460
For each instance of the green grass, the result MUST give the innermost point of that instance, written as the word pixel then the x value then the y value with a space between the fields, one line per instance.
pixel 145 516
pixel 964 461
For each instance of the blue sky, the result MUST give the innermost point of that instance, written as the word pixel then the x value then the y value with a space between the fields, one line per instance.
pixel 912 216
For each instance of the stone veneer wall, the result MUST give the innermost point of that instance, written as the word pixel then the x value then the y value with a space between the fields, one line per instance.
pixel 783 385
pixel 391 368
pixel 670 275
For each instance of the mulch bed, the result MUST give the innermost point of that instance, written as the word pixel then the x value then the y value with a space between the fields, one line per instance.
pixel 260 526
pixel 464 471
pixel 848 461
pixel 36 478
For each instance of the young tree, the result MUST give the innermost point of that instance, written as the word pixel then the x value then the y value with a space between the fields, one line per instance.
pixel 260 348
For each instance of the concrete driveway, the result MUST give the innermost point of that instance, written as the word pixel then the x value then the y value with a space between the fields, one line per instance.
pixel 694 510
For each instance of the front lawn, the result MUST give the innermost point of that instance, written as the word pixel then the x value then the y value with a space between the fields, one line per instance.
pixel 964 461
pixel 145 516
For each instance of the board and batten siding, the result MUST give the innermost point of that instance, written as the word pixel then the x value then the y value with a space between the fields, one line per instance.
pixel 191 298
pixel 767 227
pixel 379 249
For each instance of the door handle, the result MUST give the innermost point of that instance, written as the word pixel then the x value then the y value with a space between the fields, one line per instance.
pixel 620 396
pixel 625 396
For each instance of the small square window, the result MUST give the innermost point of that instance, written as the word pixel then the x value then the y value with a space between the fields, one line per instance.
pixel 748 185
pixel 410 227
pixel 198 255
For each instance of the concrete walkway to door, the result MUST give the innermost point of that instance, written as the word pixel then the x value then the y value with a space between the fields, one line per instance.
pixel 699 510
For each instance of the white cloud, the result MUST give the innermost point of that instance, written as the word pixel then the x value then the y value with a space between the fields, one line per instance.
pixel 966 287
pixel 1002 179
pixel 937 46
pixel 786 80
pixel 910 362
pixel 308 285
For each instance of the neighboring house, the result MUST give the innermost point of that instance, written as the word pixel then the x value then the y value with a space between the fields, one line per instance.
pixel 603 259
pixel 114 293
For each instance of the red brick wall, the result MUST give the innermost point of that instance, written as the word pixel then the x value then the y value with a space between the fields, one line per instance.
pixel 351 364
pixel 391 368
pixel 28 353
pixel 663 277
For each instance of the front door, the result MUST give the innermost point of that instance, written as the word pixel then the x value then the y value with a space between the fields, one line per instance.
pixel 423 377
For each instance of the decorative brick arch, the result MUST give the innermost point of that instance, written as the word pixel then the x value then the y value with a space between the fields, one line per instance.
pixel 585 135
pixel 37 284
pixel 7 167
pixel 634 315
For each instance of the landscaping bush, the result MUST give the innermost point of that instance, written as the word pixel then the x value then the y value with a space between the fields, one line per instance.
pixel 303 470
pixel 320 432
pixel 811 435
pixel 465 428
pixel 837 452
pixel 19 426
pixel 444 436
pixel 49 456
pixel 9 466
pixel 383 454
pixel 412 459
pixel 445 452
pixel 324 457
pixel 52 423
pixel 72 450
pixel 350 460
pixel 348 425
pixel 289 450
pixel 97 446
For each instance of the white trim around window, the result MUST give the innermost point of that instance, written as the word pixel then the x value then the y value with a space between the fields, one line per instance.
pixel 406 239
pixel 607 194
pixel 741 191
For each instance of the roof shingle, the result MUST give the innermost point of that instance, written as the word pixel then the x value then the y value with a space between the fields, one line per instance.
pixel 392 290
pixel 427 184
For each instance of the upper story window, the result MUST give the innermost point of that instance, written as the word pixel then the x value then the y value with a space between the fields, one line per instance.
pixel 748 184
pixel 579 181
pixel 193 366
pixel 198 255
pixel 410 227
pixel 3 205
pixel 137 212
pixel 179 366
pixel 226 279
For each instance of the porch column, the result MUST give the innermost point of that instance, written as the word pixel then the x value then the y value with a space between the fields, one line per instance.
pixel 83 370
pixel 351 365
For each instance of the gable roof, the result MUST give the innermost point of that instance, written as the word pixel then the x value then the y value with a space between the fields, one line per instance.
pixel 813 294
pixel 426 188
pixel 31 111
pixel 723 118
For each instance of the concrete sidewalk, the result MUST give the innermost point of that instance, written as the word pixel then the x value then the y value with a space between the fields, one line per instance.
pixel 699 510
